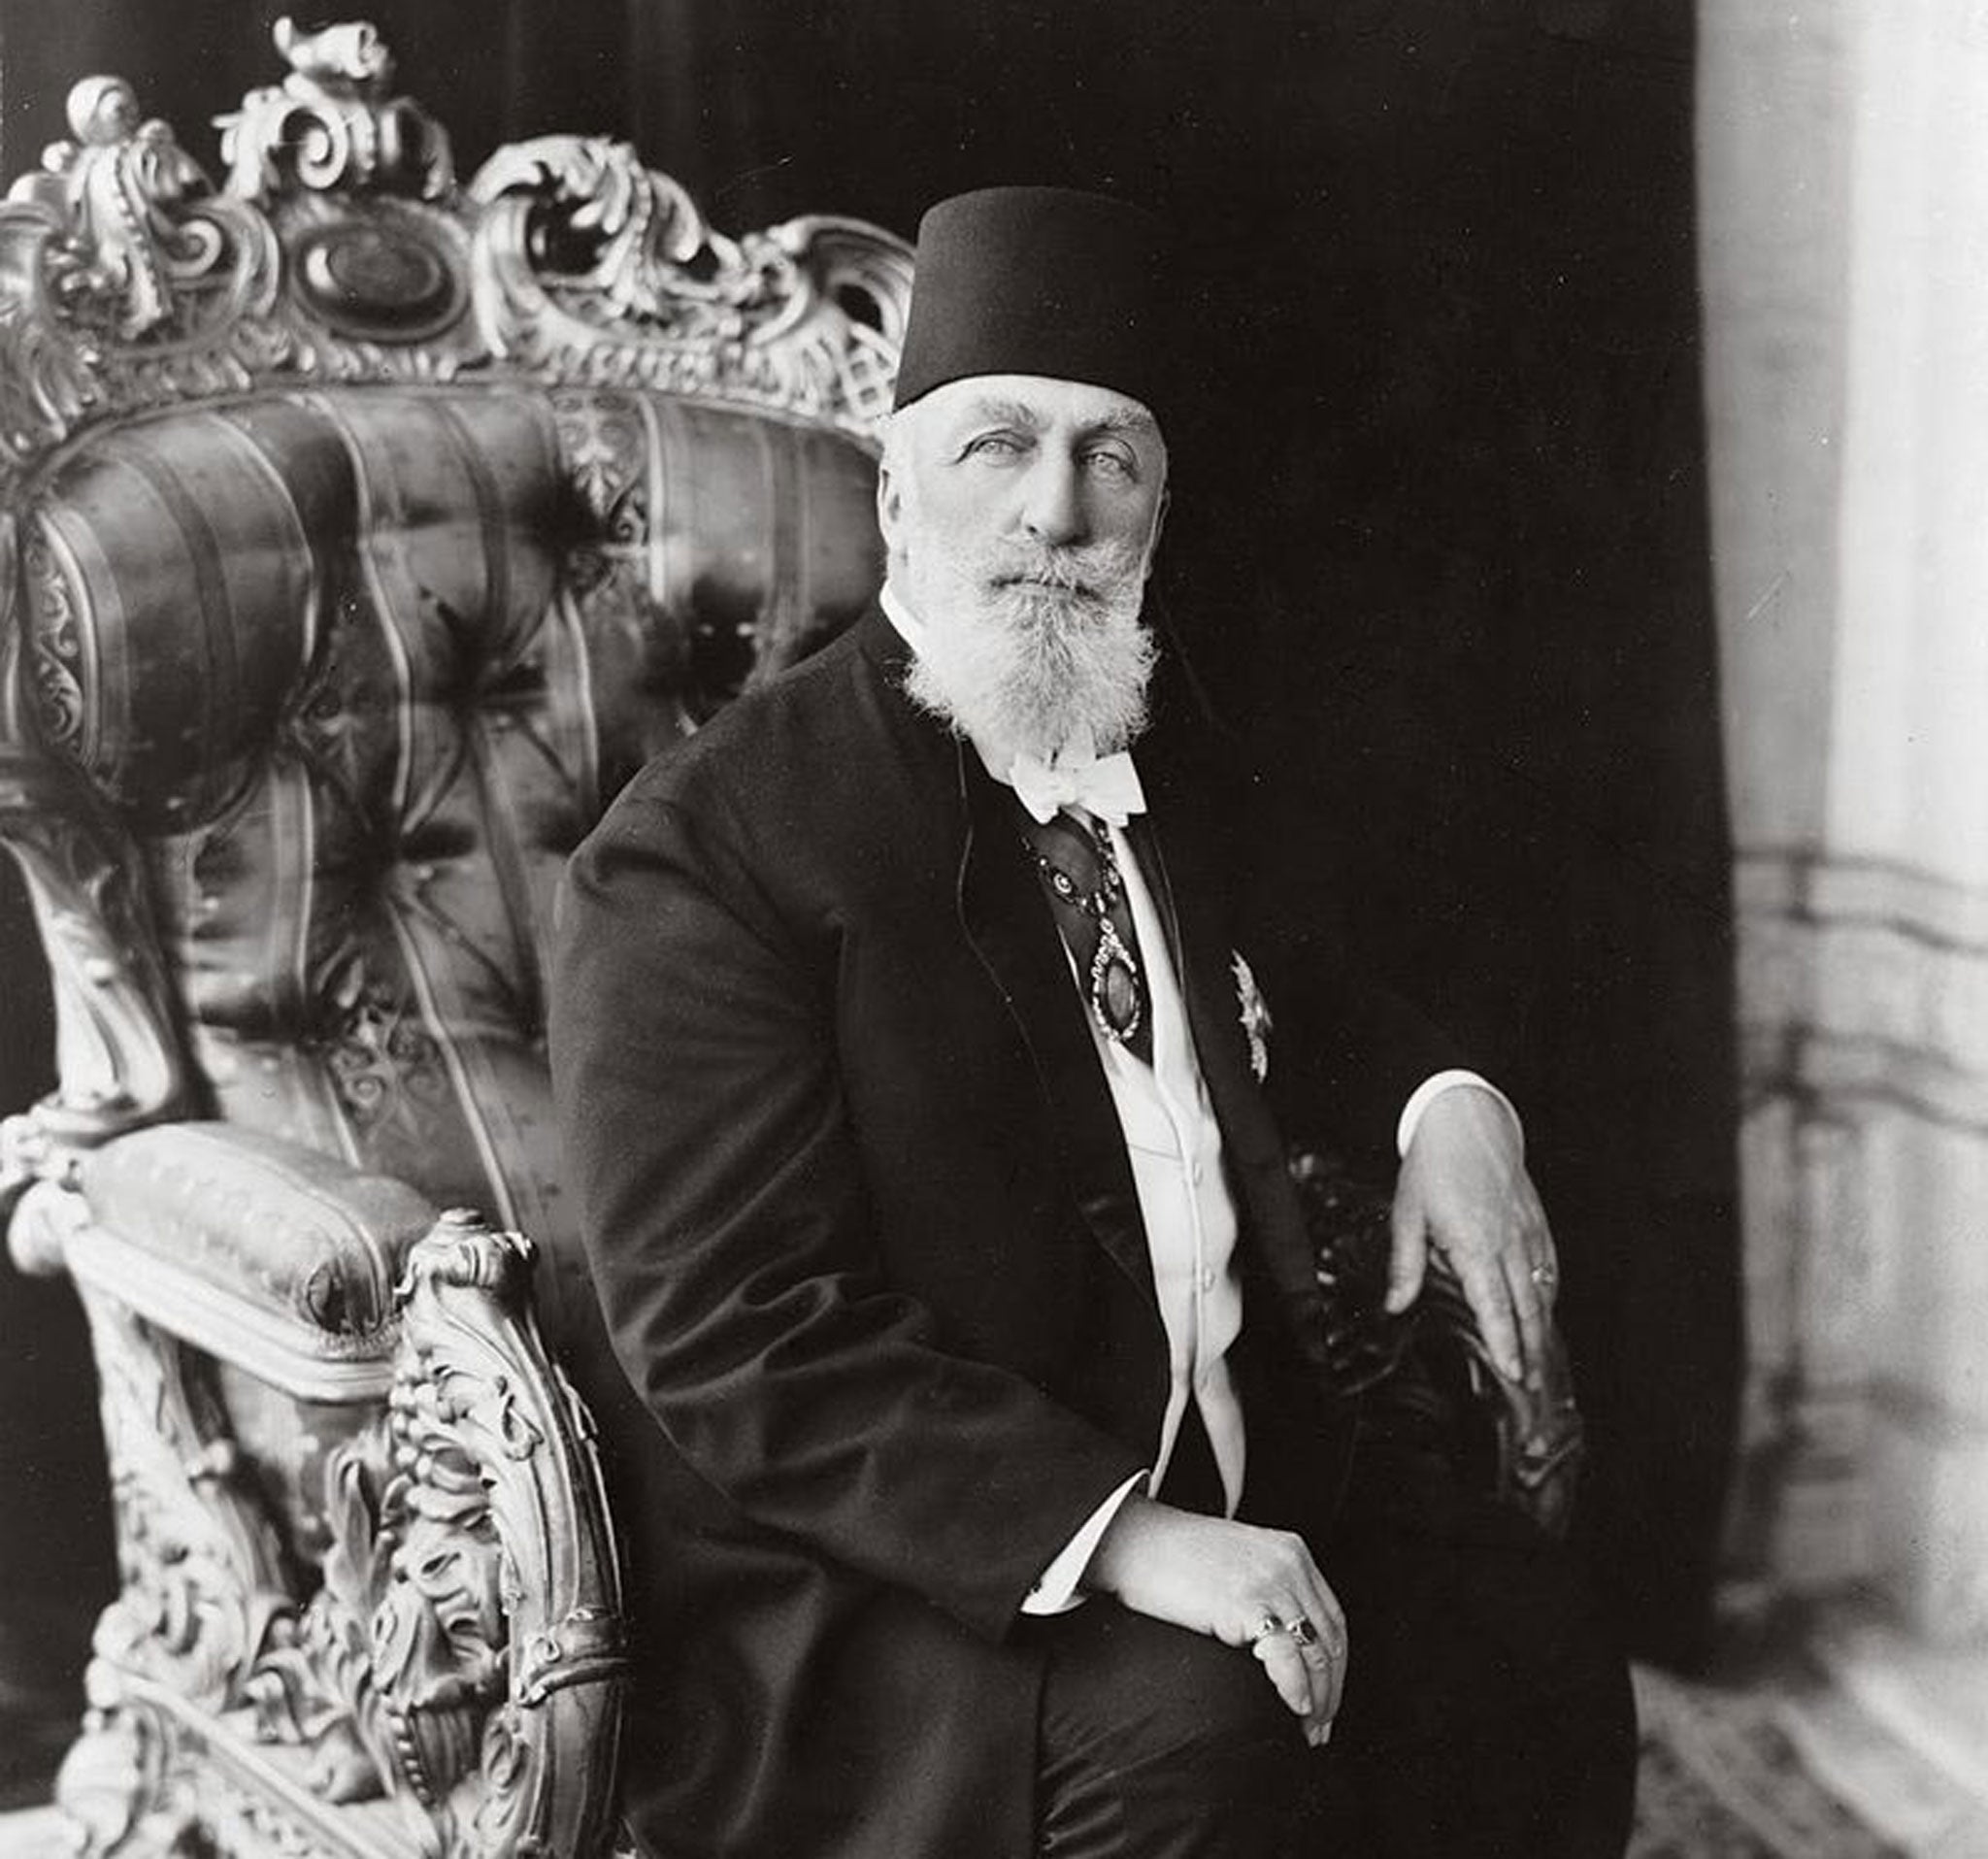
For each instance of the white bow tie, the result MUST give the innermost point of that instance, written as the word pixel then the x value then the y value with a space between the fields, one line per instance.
pixel 1107 786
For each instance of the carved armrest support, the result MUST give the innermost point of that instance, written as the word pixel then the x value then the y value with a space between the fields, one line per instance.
pixel 474 1377
pixel 117 1046
pixel 1532 1439
pixel 1428 1366
pixel 469 1630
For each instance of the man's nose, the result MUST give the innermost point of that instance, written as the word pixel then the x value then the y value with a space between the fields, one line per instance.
pixel 1054 508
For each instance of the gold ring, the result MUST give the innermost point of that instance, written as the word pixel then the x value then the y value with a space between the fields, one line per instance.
pixel 1542 1276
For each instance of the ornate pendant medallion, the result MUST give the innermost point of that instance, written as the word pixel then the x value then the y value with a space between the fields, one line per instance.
pixel 1117 997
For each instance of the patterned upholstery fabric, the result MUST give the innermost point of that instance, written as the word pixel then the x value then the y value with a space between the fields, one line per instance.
pixel 358 667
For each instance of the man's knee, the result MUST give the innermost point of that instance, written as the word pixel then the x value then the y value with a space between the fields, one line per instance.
pixel 1208 1704
pixel 1148 1727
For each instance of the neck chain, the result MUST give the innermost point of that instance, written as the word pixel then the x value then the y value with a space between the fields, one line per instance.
pixel 1115 987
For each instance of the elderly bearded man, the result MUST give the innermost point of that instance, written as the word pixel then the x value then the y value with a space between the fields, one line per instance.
pixel 981 1503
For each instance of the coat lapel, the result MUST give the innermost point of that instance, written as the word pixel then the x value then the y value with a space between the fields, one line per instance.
pixel 1008 921
pixel 1192 891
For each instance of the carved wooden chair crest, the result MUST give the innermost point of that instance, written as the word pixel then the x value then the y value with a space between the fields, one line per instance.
pixel 363 531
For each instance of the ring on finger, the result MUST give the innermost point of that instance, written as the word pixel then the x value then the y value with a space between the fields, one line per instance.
pixel 1543 1275
pixel 1299 1630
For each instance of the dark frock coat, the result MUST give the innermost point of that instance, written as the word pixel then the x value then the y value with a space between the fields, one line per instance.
pixel 864 1236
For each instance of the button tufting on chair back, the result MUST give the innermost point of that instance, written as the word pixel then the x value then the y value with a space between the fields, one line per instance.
pixel 361 668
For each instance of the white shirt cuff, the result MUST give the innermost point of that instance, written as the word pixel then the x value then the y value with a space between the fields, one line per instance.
pixel 1431 1088
pixel 1055 1589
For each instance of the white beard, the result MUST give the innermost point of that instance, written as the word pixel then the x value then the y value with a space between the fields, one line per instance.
pixel 1051 663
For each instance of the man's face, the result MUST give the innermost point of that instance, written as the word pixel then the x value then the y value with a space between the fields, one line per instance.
pixel 1011 471
pixel 1020 513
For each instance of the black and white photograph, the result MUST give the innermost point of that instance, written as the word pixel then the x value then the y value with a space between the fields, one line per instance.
pixel 994 929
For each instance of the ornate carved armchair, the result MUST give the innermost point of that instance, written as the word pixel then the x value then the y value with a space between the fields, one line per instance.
pixel 363 531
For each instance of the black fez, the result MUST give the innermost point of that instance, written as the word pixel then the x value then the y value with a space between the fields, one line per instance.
pixel 1039 280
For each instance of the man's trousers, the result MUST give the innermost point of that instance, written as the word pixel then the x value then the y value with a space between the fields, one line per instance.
pixel 1486 1713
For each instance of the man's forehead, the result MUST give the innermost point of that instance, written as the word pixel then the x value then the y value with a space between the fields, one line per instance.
pixel 1037 401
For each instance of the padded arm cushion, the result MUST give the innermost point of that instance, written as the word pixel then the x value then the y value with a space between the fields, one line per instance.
pixel 299 1234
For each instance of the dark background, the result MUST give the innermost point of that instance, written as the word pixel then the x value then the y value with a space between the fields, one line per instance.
pixel 1439 540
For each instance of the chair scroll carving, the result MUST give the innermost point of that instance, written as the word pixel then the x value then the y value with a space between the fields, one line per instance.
pixel 807 317
pixel 343 249
pixel 332 124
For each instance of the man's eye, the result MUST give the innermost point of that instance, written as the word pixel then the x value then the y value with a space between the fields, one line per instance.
pixel 994 444
pixel 1108 464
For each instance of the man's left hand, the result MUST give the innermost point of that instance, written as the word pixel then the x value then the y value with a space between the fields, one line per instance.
pixel 1463 1189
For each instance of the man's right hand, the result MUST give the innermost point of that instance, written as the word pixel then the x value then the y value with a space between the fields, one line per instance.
pixel 1229 1579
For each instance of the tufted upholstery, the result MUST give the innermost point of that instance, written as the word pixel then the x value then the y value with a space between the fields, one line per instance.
pixel 358 667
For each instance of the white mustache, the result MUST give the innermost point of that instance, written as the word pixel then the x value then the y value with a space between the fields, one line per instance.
pixel 1087 571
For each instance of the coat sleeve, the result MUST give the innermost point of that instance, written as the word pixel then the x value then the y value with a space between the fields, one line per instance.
pixel 730 1238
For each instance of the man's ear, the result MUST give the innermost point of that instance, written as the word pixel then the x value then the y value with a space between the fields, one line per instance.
pixel 890 501
pixel 1152 540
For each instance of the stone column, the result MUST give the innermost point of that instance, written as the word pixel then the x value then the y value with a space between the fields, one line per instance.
pixel 1843 181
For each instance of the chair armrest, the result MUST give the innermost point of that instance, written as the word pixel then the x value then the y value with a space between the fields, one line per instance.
pixel 274 1257
pixel 460 1644
pixel 1430 1362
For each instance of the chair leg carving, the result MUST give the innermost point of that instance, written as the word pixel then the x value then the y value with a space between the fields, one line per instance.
pixel 124 1785
pixel 203 1582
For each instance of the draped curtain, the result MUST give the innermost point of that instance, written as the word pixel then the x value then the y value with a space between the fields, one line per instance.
pixel 1438 540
